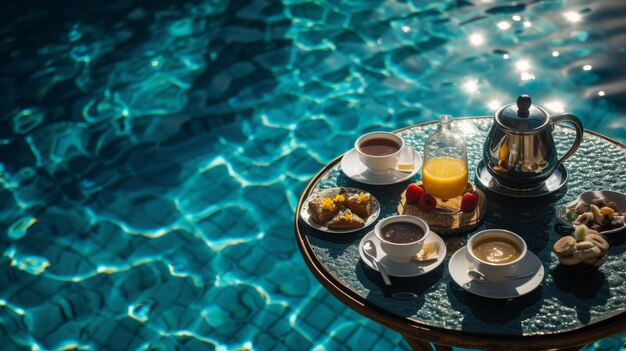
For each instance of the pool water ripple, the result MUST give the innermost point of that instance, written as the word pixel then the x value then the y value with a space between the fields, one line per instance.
pixel 152 154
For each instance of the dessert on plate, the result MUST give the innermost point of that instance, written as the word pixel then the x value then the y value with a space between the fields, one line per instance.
pixel 341 208
pixel 360 204
pixel 345 219
pixel 324 208
pixel 599 214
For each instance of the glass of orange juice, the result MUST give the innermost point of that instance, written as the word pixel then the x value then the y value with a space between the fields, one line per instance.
pixel 445 177
pixel 444 174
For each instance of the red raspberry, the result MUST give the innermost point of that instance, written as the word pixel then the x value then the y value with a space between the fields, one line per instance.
pixel 413 193
pixel 427 203
pixel 469 202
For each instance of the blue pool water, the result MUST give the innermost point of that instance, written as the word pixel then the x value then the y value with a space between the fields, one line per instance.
pixel 152 153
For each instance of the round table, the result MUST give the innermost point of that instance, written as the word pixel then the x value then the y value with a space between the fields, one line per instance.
pixel 569 309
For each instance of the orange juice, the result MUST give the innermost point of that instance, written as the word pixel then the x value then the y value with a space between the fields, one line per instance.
pixel 445 177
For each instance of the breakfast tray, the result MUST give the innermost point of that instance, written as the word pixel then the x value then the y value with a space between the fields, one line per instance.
pixel 443 223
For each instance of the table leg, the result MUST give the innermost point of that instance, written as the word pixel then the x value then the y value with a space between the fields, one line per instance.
pixel 420 345
pixel 575 348
pixel 416 344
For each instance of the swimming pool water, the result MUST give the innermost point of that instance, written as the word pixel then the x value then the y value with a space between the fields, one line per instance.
pixel 152 153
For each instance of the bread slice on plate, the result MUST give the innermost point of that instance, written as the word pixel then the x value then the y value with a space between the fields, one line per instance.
pixel 345 219
pixel 322 209
pixel 360 204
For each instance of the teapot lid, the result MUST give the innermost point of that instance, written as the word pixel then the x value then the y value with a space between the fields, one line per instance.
pixel 522 116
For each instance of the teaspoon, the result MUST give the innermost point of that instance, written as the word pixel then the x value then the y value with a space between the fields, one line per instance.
pixel 370 251
pixel 476 275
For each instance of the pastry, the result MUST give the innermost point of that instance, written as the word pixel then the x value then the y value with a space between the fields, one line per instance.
pixel 345 219
pixel 565 246
pixel 322 208
pixel 586 246
pixel 360 204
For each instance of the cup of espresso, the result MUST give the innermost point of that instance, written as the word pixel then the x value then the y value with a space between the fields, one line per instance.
pixel 379 151
pixel 401 236
pixel 495 252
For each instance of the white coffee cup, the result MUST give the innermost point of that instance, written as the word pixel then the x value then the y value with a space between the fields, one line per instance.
pixel 490 269
pixel 401 252
pixel 379 164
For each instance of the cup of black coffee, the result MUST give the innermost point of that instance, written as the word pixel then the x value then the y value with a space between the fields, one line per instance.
pixel 495 252
pixel 401 236
pixel 379 151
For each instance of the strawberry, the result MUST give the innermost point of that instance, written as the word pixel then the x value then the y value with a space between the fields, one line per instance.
pixel 469 202
pixel 427 203
pixel 413 193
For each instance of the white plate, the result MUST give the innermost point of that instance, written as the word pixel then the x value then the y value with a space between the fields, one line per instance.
pixel 588 196
pixel 504 289
pixel 355 170
pixel 409 269
pixel 306 216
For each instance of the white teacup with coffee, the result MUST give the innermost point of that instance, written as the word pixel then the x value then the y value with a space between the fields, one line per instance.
pixel 379 151
pixel 495 253
pixel 401 236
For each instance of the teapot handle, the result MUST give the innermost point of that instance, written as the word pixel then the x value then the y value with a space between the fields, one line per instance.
pixel 566 117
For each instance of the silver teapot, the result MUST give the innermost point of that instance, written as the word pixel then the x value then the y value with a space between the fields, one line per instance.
pixel 519 151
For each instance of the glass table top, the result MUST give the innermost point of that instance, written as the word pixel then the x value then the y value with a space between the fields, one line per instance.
pixel 567 299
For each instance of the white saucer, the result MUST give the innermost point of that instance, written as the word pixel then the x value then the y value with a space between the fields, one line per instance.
pixel 355 170
pixel 505 289
pixel 409 269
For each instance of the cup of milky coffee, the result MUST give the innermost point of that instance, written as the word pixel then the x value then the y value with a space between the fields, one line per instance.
pixel 379 151
pixel 495 252
pixel 401 236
